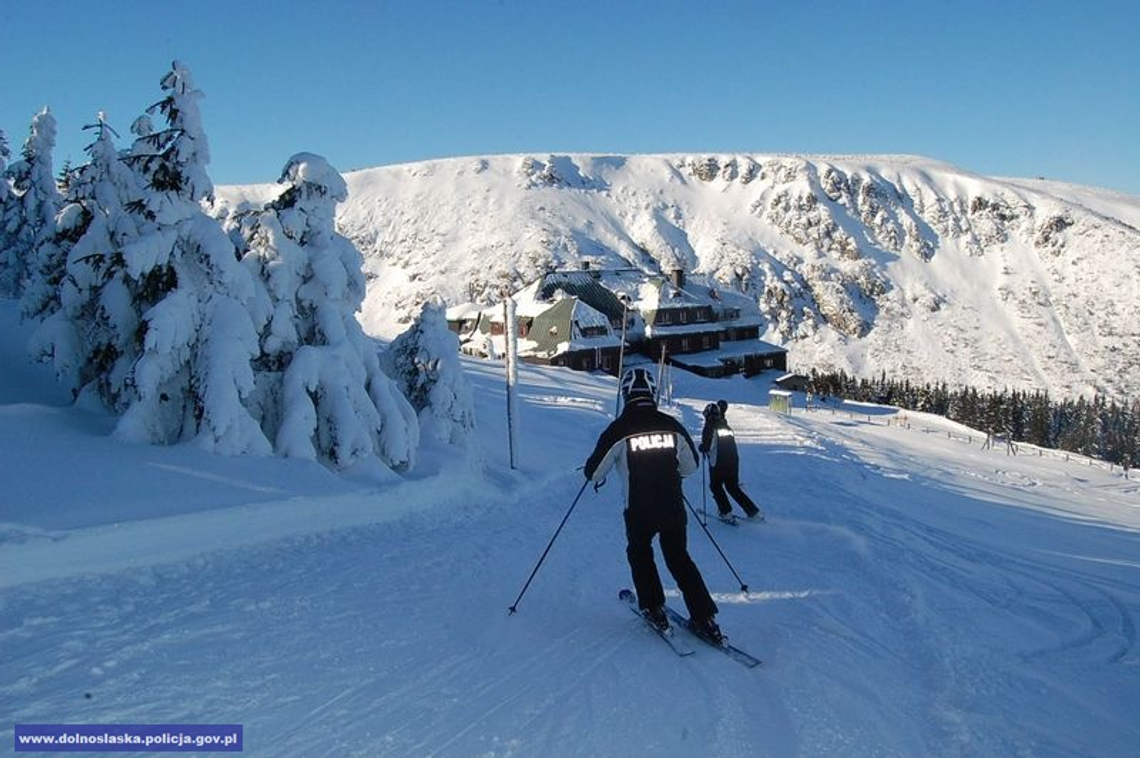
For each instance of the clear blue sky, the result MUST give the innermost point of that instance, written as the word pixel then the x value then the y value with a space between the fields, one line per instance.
pixel 1000 88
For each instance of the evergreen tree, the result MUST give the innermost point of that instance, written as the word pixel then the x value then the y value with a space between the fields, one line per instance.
pixel 1130 442
pixel 29 215
pixel 1039 424
pixel 6 196
pixel 424 361
pixel 92 338
pixel 63 180
pixel 5 154
pixel 320 390
pixel 197 336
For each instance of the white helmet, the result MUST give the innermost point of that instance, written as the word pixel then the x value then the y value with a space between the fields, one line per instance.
pixel 638 383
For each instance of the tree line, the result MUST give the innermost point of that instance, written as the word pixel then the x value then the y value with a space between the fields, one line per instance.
pixel 1099 428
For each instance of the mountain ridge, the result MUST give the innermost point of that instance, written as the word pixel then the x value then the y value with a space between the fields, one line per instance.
pixel 864 263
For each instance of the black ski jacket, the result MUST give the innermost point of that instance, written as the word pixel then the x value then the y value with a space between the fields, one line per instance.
pixel 652 451
pixel 719 444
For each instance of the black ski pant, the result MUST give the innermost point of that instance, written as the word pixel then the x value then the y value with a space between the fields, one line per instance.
pixel 674 547
pixel 725 483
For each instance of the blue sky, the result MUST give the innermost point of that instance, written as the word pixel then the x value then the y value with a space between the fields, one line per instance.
pixel 1004 89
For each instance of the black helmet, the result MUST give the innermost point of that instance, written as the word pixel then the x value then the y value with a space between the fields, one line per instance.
pixel 723 406
pixel 638 383
pixel 711 410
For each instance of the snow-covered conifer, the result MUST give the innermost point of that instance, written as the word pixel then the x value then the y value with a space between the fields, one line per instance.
pixel 320 390
pixel 6 196
pixel 4 187
pixel 424 361
pixel 29 215
pixel 197 334
pixel 91 339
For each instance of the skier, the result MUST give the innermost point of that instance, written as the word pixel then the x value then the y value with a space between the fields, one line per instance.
pixel 719 447
pixel 652 451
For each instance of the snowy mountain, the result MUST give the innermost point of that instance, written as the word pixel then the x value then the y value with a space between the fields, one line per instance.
pixel 912 593
pixel 873 263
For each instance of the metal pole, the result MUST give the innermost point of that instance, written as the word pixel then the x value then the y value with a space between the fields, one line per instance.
pixel 743 586
pixel 509 334
pixel 621 353
pixel 515 606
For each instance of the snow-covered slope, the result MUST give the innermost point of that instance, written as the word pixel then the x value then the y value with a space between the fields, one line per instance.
pixel 866 263
pixel 912 594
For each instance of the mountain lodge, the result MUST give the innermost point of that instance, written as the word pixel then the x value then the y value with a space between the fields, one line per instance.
pixel 575 319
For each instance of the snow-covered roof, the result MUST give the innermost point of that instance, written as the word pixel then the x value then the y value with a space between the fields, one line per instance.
pixel 659 294
pixel 559 328
pixel 728 351
pixel 464 311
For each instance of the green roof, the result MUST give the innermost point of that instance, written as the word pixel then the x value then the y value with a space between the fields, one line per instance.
pixel 558 317
pixel 585 287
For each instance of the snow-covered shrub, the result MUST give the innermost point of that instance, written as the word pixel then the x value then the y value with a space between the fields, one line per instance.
pixel 320 391
pixel 424 361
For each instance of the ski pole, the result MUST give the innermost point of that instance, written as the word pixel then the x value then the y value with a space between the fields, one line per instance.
pixel 704 491
pixel 743 586
pixel 514 608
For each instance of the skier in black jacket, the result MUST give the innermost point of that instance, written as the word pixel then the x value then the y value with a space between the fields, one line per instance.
pixel 652 451
pixel 719 446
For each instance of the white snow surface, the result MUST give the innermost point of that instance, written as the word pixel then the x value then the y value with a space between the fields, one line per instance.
pixel 911 593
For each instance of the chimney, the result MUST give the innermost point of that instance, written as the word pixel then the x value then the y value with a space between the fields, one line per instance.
pixel 679 278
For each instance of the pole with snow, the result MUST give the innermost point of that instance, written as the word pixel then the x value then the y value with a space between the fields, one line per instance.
pixel 510 334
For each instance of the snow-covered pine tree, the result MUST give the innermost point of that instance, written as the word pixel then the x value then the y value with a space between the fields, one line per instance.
pixel 320 390
pixel 424 361
pixel 91 340
pixel 5 153
pixel 197 333
pixel 5 197
pixel 29 214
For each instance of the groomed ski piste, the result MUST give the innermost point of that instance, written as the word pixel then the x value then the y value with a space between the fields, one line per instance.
pixel 912 593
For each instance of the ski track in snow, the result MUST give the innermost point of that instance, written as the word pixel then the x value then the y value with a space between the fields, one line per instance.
pixel 911 595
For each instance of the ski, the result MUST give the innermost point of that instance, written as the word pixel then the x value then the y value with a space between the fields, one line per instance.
pixel 733 652
pixel 676 645
pixel 733 520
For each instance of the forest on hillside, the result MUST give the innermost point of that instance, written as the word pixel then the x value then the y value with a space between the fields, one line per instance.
pixel 1097 428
